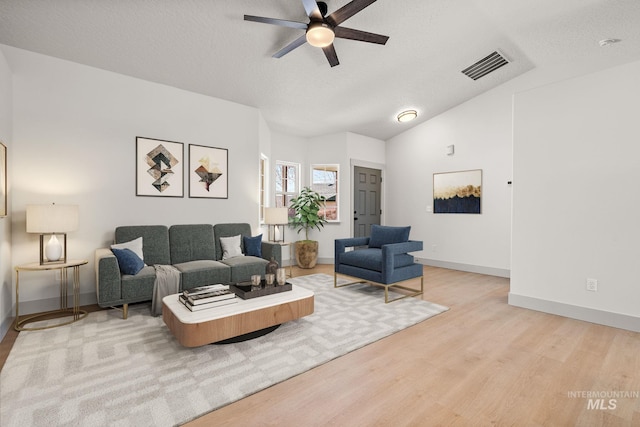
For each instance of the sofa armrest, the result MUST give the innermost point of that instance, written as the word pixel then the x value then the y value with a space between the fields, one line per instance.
pixel 108 283
pixel 401 248
pixel 342 244
pixel 272 250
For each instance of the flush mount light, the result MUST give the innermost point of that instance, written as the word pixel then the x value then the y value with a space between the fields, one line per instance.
pixel 319 34
pixel 407 116
pixel 608 42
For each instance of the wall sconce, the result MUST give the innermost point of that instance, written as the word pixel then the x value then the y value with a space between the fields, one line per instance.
pixel 52 219
pixel 276 218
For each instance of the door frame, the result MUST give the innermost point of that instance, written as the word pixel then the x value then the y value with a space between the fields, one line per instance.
pixel 371 165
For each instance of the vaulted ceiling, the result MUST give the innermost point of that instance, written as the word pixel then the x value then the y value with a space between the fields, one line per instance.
pixel 205 46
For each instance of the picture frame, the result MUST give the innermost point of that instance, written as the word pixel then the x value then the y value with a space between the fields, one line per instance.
pixel 458 192
pixel 3 180
pixel 208 172
pixel 159 168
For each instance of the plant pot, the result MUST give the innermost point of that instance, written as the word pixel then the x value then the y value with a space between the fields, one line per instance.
pixel 306 253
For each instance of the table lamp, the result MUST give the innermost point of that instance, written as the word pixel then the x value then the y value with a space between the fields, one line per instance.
pixel 276 218
pixel 54 220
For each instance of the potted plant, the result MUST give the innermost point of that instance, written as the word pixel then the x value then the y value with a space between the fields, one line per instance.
pixel 306 207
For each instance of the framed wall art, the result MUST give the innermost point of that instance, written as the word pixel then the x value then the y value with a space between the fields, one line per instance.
pixel 208 172
pixel 159 168
pixel 457 192
pixel 3 180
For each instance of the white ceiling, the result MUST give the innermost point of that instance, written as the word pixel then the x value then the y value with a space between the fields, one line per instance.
pixel 205 46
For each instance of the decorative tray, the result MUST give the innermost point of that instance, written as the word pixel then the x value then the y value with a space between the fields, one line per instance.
pixel 243 289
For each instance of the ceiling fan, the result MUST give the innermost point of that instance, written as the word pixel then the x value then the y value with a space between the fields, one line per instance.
pixel 321 29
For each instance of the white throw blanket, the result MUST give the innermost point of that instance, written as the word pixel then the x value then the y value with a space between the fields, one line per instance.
pixel 167 283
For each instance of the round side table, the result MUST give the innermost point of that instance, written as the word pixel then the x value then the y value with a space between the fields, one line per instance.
pixel 64 310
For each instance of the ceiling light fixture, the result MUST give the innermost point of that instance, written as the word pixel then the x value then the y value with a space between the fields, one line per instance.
pixel 320 34
pixel 407 116
pixel 608 42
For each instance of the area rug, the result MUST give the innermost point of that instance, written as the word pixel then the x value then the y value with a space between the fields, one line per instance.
pixel 106 371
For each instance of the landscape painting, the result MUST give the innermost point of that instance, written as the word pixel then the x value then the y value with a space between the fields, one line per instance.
pixel 457 192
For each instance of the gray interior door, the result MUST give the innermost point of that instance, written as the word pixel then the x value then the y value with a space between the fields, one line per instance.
pixel 366 204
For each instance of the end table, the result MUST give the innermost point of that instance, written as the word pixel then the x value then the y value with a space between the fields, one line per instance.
pixel 64 309
pixel 291 259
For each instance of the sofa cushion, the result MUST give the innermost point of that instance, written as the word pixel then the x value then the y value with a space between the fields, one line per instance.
pixel 138 287
pixel 229 230
pixel 202 272
pixel 242 268
pixel 191 242
pixel 134 245
pixel 384 235
pixel 371 259
pixel 253 245
pixel 128 261
pixel 231 246
pixel 155 241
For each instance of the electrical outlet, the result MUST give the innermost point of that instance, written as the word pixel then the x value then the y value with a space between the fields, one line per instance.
pixel 592 284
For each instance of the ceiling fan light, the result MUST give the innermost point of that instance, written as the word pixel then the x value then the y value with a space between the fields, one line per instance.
pixel 407 116
pixel 320 34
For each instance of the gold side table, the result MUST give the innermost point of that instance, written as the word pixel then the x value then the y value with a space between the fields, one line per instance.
pixel 64 285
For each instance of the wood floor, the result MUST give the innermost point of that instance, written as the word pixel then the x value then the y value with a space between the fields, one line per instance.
pixel 481 363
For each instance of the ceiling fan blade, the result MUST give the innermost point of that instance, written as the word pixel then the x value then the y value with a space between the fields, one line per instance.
pixel 332 56
pixel 363 36
pixel 347 11
pixel 288 48
pixel 281 22
pixel 311 7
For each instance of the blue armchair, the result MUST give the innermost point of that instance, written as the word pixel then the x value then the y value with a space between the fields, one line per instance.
pixel 382 259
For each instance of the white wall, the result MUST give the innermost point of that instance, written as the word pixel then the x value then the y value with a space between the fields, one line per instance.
pixel 6 272
pixel 575 201
pixel 480 130
pixel 74 142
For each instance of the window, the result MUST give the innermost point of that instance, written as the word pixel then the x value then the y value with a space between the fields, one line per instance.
pixel 324 180
pixel 262 196
pixel 287 183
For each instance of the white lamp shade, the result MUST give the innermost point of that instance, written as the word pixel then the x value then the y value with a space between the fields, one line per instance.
pixel 276 216
pixel 52 218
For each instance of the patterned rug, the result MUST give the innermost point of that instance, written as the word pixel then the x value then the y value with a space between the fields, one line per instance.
pixel 105 371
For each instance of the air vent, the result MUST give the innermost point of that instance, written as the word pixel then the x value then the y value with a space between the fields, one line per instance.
pixel 485 66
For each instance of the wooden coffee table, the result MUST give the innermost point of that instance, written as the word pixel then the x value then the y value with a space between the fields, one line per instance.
pixel 196 328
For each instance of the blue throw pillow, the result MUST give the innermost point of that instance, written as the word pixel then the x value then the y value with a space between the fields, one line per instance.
pixel 384 235
pixel 253 245
pixel 128 261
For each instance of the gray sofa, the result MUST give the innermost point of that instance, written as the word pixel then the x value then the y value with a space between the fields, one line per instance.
pixel 194 249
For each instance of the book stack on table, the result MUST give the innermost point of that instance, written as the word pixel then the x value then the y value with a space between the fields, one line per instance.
pixel 209 296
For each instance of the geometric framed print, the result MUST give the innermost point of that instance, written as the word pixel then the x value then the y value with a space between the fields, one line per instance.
pixel 208 172
pixel 457 192
pixel 159 168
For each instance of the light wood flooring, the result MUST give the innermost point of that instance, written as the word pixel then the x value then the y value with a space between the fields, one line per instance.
pixel 481 363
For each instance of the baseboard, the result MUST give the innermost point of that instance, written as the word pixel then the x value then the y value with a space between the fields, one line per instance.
pixel 600 317
pixel 489 271
pixel 4 327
